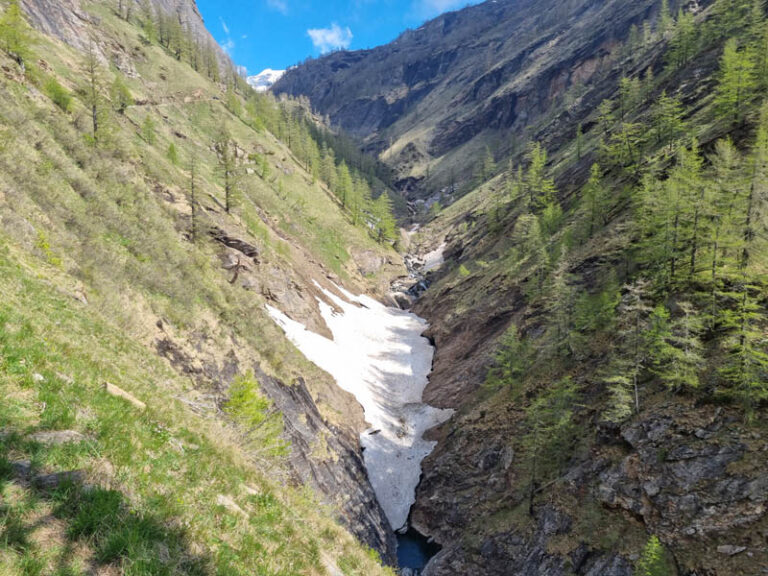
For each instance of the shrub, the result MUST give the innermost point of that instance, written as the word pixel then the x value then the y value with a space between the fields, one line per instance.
pixel 58 94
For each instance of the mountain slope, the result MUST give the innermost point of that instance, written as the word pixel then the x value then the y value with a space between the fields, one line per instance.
pixel 431 101
pixel 121 265
pixel 610 407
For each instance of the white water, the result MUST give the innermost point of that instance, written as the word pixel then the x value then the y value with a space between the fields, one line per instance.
pixel 378 354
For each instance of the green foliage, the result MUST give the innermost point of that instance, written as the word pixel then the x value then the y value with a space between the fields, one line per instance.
pixel 172 154
pixel 510 361
pixel 653 560
pixel 120 94
pixel 595 201
pixel 737 81
pixel 15 37
pixel 540 187
pixel 631 354
pixel 58 94
pixel 551 430
pixel 248 406
pixel 675 348
pixel 148 127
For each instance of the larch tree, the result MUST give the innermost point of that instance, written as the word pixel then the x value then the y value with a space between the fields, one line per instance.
pixel 15 38
pixel 737 81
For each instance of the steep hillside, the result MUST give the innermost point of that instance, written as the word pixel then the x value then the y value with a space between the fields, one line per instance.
pixel 601 317
pixel 155 420
pixel 487 76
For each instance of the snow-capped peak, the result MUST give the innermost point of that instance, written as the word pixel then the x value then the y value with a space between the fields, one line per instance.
pixel 265 80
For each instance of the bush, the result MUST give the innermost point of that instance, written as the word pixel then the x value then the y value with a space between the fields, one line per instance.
pixel 58 94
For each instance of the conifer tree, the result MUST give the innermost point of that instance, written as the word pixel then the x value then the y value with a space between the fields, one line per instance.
pixel 623 377
pixel 226 152
pixel 595 200
pixel 675 347
pixel 120 94
pixel 737 81
pixel 653 561
pixel 510 361
pixel 550 437
pixel 540 188
pixel 15 38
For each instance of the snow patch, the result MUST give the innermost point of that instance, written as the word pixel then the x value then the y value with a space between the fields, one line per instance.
pixel 378 354
pixel 265 80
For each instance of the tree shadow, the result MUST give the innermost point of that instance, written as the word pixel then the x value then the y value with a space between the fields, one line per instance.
pixel 87 528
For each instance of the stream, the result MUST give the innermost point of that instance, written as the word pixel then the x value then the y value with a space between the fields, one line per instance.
pixel 378 354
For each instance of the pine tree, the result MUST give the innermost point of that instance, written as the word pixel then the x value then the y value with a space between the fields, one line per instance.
pixel 666 21
pixel 510 361
pixel 668 124
pixel 148 130
pixel 226 152
pixel 386 228
pixel 540 188
pixel 15 38
pixel 120 94
pixel 653 561
pixel 343 184
pixel 737 81
pixel 675 349
pixel 623 378
pixel 551 432
pixel 488 165
pixel 92 91
pixel 193 232
pixel 595 201
pixel 172 154
pixel 682 45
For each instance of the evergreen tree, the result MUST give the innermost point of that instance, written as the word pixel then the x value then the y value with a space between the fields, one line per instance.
pixel 510 361
pixel 386 228
pixel 92 91
pixel 226 152
pixel 120 94
pixel 551 432
pixel 737 81
pixel 623 377
pixel 668 124
pixel 653 561
pixel 15 38
pixel 595 201
pixel 540 188
pixel 173 154
pixel 148 130
pixel 675 347
pixel 682 45
pixel 666 21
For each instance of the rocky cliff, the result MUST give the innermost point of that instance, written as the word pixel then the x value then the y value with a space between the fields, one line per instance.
pixel 432 100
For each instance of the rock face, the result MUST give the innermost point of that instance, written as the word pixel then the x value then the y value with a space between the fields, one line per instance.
pixel 66 19
pixel 441 93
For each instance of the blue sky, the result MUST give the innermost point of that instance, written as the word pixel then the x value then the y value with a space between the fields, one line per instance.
pixel 261 34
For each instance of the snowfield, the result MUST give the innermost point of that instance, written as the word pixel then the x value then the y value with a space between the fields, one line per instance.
pixel 378 354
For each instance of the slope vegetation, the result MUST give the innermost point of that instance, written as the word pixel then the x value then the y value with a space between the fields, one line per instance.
pixel 155 420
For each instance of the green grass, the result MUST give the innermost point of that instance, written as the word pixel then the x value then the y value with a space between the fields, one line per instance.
pixel 94 255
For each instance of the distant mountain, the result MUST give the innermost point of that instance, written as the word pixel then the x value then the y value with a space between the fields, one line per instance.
pixel 265 80
pixel 431 101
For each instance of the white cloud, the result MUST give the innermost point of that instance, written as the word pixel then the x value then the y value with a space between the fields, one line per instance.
pixel 224 26
pixel 333 38
pixel 278 5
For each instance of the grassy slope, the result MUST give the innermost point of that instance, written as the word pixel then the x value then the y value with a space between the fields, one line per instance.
pixel 108 225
